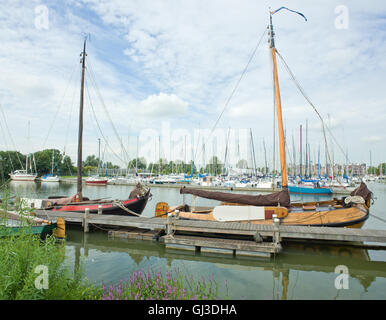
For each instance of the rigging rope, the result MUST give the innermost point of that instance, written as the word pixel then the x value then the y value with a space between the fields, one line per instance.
pixel 105 108
pixel 97 122
pixel 312 105
pixel 308 100
pixel 237 85
pixel 10 136
pixel 59 106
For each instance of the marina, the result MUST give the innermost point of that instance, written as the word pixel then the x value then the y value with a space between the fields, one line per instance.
pixel 114 239
pixel 216 176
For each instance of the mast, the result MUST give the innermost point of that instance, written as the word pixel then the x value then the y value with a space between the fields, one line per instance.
pixel 294 157
pixel 307 156
pixel 265 159
pixel 253 154
pixel 283 165
pixel 80 132
pixel 301 151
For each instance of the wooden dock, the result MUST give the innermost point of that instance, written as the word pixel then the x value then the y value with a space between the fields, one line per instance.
pixel 215 237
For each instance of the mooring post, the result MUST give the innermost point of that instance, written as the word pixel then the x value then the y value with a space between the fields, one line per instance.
pixel 194 202
pixel 85 222
pixel 276 233
pixel 169 224
pixel 99 209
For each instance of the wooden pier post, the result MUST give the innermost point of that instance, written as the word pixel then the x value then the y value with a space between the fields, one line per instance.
pixel 276 233
pixel 169 225
pixel 85 222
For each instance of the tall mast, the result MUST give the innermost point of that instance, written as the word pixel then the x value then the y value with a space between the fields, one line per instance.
pixel 283 165
pixel 265 159
pixel 80 132
pixel 307 159
pixel 301 152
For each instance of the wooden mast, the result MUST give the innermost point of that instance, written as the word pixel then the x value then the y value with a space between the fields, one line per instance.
pixel 80 132
pixel 283 165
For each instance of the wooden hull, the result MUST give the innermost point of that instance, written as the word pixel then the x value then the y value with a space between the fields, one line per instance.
pixel 136 205
pixel 351 217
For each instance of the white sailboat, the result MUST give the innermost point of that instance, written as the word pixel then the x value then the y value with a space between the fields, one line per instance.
pixel 24 175
pixel 51 177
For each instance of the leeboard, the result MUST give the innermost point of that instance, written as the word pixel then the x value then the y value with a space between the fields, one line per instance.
pixel 238 213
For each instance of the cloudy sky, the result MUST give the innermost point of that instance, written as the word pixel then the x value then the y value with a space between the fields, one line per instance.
pixel 164 71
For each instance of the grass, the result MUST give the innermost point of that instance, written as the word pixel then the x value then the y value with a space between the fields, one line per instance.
pixel 22 254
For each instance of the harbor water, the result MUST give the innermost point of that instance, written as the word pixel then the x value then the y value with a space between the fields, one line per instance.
pixel 300 271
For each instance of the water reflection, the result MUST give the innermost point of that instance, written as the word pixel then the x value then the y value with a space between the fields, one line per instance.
pixel 274 279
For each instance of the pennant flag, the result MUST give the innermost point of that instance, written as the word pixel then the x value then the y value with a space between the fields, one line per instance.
pixel 273 12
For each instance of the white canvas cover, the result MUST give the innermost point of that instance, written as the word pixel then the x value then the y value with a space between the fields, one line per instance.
pixel 238 213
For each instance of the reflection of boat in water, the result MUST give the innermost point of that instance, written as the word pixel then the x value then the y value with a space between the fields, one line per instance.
pixel 295 257
pixel 260 209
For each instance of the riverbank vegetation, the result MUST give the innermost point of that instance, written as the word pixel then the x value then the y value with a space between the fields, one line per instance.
pixel 26 259
pixel 32 268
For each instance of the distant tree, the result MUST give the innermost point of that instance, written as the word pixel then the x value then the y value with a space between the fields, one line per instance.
pixel 10 161
pixel 141 163
pixel 43 161
pixel 66 167
pixel 91 161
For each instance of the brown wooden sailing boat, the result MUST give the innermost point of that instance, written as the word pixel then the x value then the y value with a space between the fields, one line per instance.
pixel 136 201
pixel 351 211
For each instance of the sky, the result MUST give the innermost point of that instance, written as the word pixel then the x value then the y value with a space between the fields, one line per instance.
pixel 170 73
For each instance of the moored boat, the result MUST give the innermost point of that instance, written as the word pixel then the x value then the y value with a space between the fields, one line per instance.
pixel 96 181
pixel 22 175
pixel 351 211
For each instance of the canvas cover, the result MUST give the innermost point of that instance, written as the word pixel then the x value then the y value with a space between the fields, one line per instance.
pixel 281 198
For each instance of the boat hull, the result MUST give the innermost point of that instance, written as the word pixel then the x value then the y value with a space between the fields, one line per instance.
pixel 26 177
pixel 120 207
pixel 351 217
pixel 43 230
pixel 97 183
pixel 306 190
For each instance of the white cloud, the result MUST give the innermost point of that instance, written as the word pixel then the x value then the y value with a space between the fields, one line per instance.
pixel 162 105
pixel 181 61
pixel 372 139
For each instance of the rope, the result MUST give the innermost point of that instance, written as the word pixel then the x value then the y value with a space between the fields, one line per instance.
pixel 105 108
pixel 120 205
pixel 236 86
pixel 354 199
pixel 374 216
pixel 10 136
pixel 312 105
pixel 99 127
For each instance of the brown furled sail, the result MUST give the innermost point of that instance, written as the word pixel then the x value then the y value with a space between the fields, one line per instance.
pixel 281 198
pixel 362 191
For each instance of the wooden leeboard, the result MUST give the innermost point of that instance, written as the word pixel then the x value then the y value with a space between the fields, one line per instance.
pixel 238 213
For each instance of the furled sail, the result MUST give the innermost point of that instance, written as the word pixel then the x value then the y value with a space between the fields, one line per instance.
pixel 281 198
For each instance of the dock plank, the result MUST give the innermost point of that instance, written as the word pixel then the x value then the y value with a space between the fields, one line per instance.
pixel 215 227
